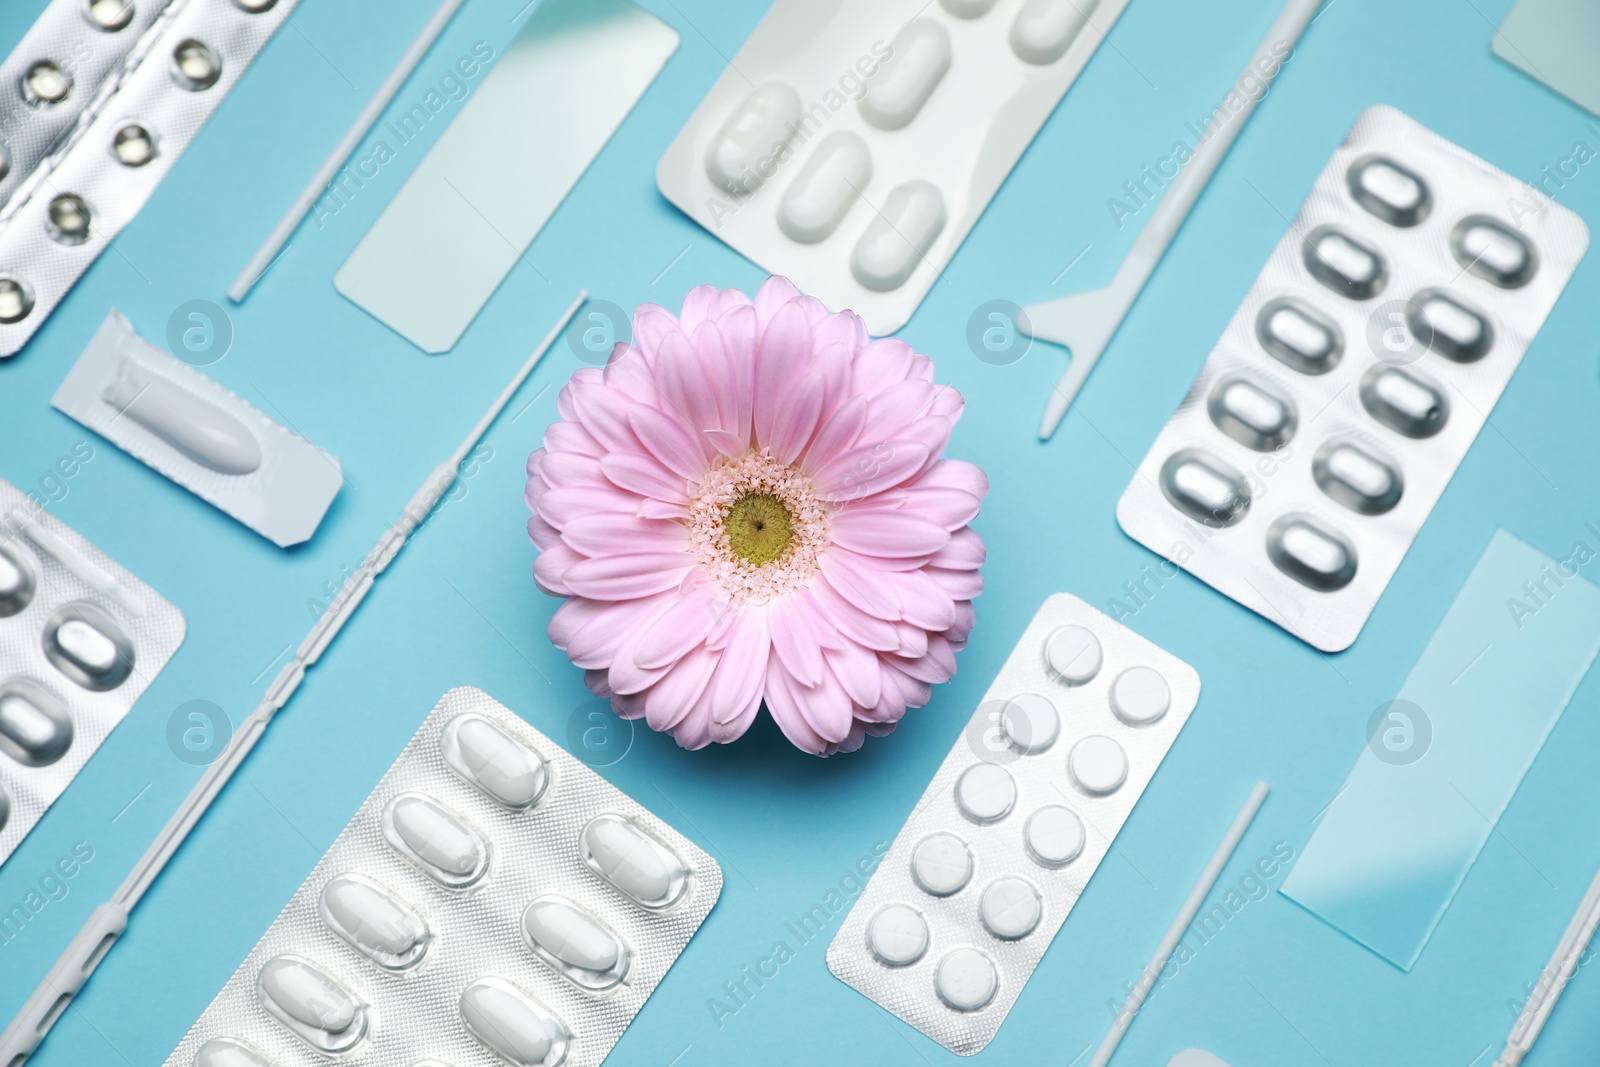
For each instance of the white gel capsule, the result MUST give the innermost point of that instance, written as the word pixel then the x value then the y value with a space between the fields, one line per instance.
pixel 1030 723
pixel 635 863
pixel 1010 908
pixel 1492 252
pixel 941 864
pixel 512 1025
pixel 743 153
pixel 985 793
pixel 88 647
pixel 1310 553
pixel 498 764
pixel 1403 402
pixel 1045 29
pixel 822 193
pixel 435 839
pixel 1344 264
pixel 966 980
pixel 1356 478
pixel 311 1003
pixel 35 729
pixel 575 943
pixel 16 583
pixel 1297 336
pixel 899 236
pixel 1053 836
pixel 189 423
pixel 375 921
pixel 230 1052
pixel 920 58
pixel 1073 653
pixel 1140 696
pixel 1389 191
pixel 1098 765
pixel 897 936
pixel 1204 488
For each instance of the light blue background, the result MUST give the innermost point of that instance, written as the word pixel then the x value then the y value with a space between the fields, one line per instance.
pixel 1277 987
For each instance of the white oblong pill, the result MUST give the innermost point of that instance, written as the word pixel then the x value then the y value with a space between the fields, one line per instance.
pixel 35 729
pixel 186 421
pixel 1140 696
pixel 574 941
pixel 1010 908
pixel 513 1025
pixel 1098 765
pixel 967 9
pixel 1030 723
pixel 1045 29
pixel 985 793
pixel 966 979
pixel 1053 836
pixel 758 131
pixel 920 58
pixel 230 1052
pixel 1073 653
pixel 822 193
pixel 497 763
pixel 311 1003
pixel 373 919
pixel 435 839
pixel 897 935
pixel 941 864
pixel 634 862
pixel 899 236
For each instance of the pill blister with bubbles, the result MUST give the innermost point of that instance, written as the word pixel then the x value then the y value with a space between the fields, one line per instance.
pixel 1014 824
pixel 851 147
pixel 1353 378
pixel 103 97
pixel 493 901
pixel 80 640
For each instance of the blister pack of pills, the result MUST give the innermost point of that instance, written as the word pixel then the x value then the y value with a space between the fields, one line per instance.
pixel 1014 824
pixel 80 640
pixel 120 147
pixel 493 901
pixel 1353 378
pixel 851 147
pixel 204 437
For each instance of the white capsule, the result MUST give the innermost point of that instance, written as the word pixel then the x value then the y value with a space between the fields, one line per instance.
pixel 1449 327
pixel 230 1052
pixel 575 943
pixel 897 92
pixel 899 236
pixel 757 132
pixel 1389 191
pixel 311 1003
pixel 897 936
pixel 186 421
pixel 826 187
pixel 375 921
pixel 1045 29
pixel 635 863
pixel 498 764
pixel 435 839
pixel 1254 415
pixel 513 1025
pixel 16 299
pixel 35 729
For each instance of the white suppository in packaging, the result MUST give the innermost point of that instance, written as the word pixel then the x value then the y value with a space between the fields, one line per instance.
pixel 1014 824
pixel 80 640
pixel 207 439
pixel 852 146
pixel 493 901
pixel 1353 378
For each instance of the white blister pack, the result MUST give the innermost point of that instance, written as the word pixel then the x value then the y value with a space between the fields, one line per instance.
pixel 1353 378
pixel 850 147
pixel 120 147
pixel 207 439
pixel 1014 824
pixel 494 901
pixel 80 640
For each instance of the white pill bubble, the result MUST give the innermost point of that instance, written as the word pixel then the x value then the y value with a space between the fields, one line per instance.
pixel 1098 765
pixel 435 839
pixel 921 55
pixel 941 864
pixel 1010 908
pixel 1073 653
pixel 311 1003
pixel 494 761
pixel 1140 696
pixel 513 1025
pixel 757 131
pixel 575 943
pixel 1030 723
pixel 636 864
pixel 966 979
pixel 967 9
pixel 230 1052
pixel 1045 29
pixel 826 187
pixel 1053 836
pixel 374 920
pixel 985 792
pixel 897 935
pixel 899 236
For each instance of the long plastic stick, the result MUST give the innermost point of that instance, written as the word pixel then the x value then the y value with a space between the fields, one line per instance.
pixel 358 129
pixel 1563 964
pixel 1174 934
pixel 107 922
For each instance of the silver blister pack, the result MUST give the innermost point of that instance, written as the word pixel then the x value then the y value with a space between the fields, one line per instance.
pixel 493 901
pixel 1353 378
pixel 188 60
pixel 1014 824
pixel 80 640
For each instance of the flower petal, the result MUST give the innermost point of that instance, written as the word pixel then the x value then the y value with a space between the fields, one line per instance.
pixel 781 356
pixel 627 577
pixel 552 567
pixel 670 699
pixel 797 419
pixel 868 469
pixel 855 580
pixel 640 472
pixel 624 535
pixel 685 624
pixel 743 668
pixel 888 533
pixel 680 450
pixel 561 506
pixel 857 671
pixel 795 639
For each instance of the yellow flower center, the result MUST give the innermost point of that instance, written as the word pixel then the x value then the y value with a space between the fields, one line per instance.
pixel 759 528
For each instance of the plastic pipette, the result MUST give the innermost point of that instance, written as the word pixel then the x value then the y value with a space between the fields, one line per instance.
pixel 108 921
pixel 1563 964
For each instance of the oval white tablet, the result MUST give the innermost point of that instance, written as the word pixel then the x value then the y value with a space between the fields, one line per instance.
pixel 754 135
pixel 985 792
pixel 1098 765
pixel 822 193
pixel 435 839
pixel 498 764
pixel 1053 836
pixel 1010 908
pixel 966 979
pixel 1045 29
pixel 920 58
pixel 574 942
pixel 1030 723
pixel 638 865
pixel 185 421
pixel 513 1025
pixel 941 864
pixel 897 935
pixel 229 1052
pixel 374 920
pixel 1140 696
pixel 899 236
pixel 311 1003
pixel 1073 653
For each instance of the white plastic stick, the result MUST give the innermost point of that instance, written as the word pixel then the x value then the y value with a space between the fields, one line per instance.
pixel 1086 322
pixel 1175 932
pixel 358 129
pixel 107 922
pixel 1563 964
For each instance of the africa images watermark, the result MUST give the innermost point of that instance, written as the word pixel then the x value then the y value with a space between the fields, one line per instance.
pixel 52 887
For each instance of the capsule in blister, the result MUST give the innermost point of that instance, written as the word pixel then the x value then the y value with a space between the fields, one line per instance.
pixel 502 767
pixel 745 152
pixel 826 187
pixel 230 1052
pixel 441 843
pixel 1389 191
pixel 35 729
pixel 1310 553
pixel 67 219
pixel 45 84
pixel 513 1025
pixel 86 645
pixel 1252 413
pixel 967 9
pixel 1205 488
pixel 17 583
pixel 1357 477
pixel 633 862
pixel 1045 29
pixel 16 299
pixel 109 15
pixel 1343 263
pixel 899 236
pixel 5 806
pixel 1403 401
pixel 194 66
pixel 920 58
pixel 133 145
pixel 1299 336
pixel 375 921
pixel 575 943
pixel 1448 326
pixel 1493 252
pixel 312 1004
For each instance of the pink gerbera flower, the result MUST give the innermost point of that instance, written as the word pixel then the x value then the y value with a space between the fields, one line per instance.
pixel 748 505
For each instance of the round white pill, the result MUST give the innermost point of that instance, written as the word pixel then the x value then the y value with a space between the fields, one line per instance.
pixel 1140 696
pixel 1098 764
pixel 1053 836
pixel 941 864
pixel 1074 654
pixel 985 792
pixel 897 936
pixel 966 979
pixel 1010 908
pixel 1030 723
